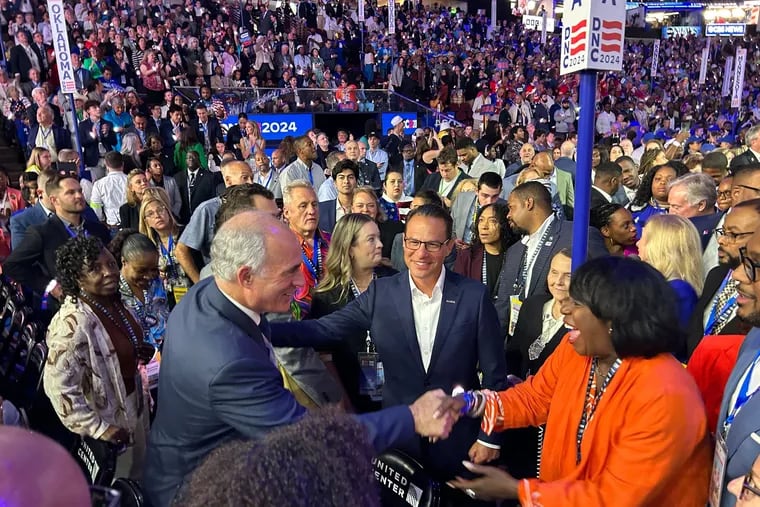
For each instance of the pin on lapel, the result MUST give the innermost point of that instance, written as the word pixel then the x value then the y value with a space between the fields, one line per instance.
pixel 451 301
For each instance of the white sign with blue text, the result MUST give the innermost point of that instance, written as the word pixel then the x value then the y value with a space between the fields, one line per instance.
pixel 593 34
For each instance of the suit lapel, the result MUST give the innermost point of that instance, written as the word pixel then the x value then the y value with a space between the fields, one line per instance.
pixel 449 305
pixel 742 363
pixel 403 299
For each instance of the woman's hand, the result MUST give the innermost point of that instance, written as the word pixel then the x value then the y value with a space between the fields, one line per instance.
pixel 493 483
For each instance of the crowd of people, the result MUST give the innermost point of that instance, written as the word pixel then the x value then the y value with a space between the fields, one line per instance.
pixel 201 293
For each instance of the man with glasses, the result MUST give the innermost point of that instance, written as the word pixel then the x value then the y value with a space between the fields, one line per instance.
pixel 429 327
pixel 739 419
pixel 715 313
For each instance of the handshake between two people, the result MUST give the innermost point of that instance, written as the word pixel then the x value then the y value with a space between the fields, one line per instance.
pixel 435 414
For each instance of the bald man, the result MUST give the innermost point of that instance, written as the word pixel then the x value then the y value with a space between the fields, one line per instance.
pixel 37 471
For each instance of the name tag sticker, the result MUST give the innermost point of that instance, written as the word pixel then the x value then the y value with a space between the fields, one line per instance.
pixel 718 472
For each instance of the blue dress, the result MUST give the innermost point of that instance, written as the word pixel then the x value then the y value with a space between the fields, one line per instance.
pixel 686 299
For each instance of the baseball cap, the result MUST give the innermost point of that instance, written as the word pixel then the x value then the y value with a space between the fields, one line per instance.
pixel 396 120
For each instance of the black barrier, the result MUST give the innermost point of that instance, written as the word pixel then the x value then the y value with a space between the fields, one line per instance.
pixel 403 481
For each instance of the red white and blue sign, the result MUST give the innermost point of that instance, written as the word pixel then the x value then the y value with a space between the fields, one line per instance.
pixel 593 34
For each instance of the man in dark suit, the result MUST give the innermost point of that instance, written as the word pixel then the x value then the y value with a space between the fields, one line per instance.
pixel 30 84
pixel 219 376
pixel 447 178
pixel 693 196
pixel 468 204
pixel 97 138
pixel 527 261
pixel 715 312
pixel 432 328
pixel 345 173
pixel 207 128
pixel 235 134
pixel 32 263
pixel 142 127
pixel 606 183
pixel 739 429
pixel 24 57
pixel 414 172
pixel 195 185
pixel 23 219
pixel 47 134
pixel 170 129
pixel 82 76
pixel 752 155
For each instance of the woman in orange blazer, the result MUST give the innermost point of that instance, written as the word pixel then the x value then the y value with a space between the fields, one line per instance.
pixel 625 424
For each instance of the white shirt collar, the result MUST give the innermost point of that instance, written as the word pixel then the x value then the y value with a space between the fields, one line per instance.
pixel 605 194
pixel 540 232
pixel 254 316
pixel 438 284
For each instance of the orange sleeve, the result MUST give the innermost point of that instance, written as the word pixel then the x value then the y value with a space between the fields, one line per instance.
pixel 527 404
pixel 653 442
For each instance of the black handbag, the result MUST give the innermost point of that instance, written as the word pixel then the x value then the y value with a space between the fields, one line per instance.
pixel 131 493
pixel 403 481
pixel 97 459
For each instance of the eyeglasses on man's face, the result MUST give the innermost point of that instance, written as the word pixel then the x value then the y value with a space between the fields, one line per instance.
pixel 750 266
pixel 430 246
pixel 749 490
pixel 732 236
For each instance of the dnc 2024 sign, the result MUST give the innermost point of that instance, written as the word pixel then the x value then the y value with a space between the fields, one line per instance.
pixel 593 34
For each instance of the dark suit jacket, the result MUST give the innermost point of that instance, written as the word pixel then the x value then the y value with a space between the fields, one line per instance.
pixel 696 329
pixel 167 161
pixel 233 138
pixel 433 181
pixel 167 135
pixel 560 236
pixel 218 383
pixel 467 340
pixel 60 135
pixel 214 130
pixel 91 154
pixel 742 448
pixel 20 64
pixel 597 199
pixel 27 217
pixel 746 158
pixel 150 129
pixel 82 78
pixel 706 225
pixel 204 189
pixel 32 264
pixel 327 216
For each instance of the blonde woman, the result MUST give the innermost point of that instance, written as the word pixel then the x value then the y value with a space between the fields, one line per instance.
pixel 252 142
pixel 39 160
pixel 353 262
pixel 671 245
pixel 131 146
pixel 157 222
pixel 129 212
pixel 365 201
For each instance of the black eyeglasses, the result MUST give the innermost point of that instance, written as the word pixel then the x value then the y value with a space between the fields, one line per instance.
pixel 747 187
pixel 430 246
pixel 748 489
pixel 750 266
pixel 732 236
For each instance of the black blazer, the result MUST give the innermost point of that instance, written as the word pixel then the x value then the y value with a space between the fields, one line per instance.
pixel 89 144
pixel 433 181
pixel 744 159
pixel 129 216
pixel 327 216
pixel 204 189
pixel 214 130
pixel 32 264
pixel 528 328
pixel 167 135
pixel 597 199
pixel 696 331
pixel 233 139
pixel 20 64
pixel 167 161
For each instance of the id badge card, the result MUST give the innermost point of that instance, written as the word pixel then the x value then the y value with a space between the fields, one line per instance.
pixel 514 312
pixel 371 376
pixel 718 472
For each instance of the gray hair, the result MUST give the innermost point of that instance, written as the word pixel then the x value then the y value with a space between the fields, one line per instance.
pixel 240 243
pixel 287 192
pixel 752 134
pixel 699 187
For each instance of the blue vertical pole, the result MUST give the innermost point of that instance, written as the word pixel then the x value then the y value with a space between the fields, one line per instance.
pixel 75 122
pixel 587 98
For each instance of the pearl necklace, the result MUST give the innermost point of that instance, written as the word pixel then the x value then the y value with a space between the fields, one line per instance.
pixel 127 325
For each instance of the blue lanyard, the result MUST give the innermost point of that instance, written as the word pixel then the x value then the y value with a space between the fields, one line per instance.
pixel 167 253
pixel 74 234
pixel 269 180
pixel 714 317
pixel 743 397
pixel 311 177
pixel 313 264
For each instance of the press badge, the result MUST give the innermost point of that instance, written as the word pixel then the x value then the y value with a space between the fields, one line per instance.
pixel 718 471
pixel 514 312
pixel 371 372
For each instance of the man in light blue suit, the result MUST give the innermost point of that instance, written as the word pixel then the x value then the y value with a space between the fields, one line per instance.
pixel 432 329
pixel 219 378
pixel 739 416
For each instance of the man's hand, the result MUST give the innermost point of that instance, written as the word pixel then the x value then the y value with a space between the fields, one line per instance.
pixel 493 483
pixel 430 420
pixel 461 245
pixel 480 454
